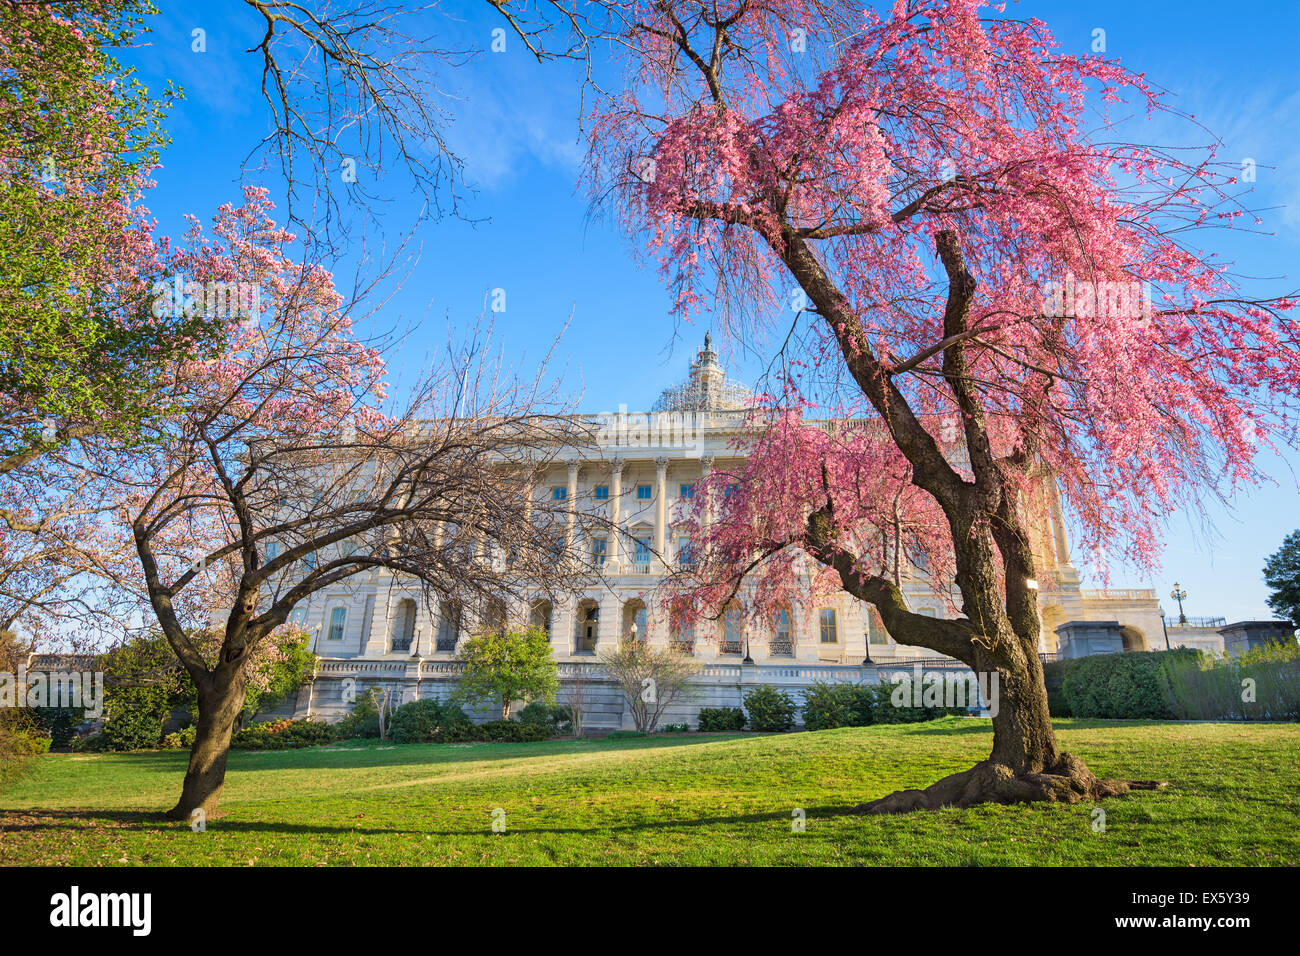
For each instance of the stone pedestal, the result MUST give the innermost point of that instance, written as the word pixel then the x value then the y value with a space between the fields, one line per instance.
pixel 1247 635
pixel 1085 638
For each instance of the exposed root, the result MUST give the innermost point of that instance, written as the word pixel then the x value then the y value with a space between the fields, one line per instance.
pixel 1069 781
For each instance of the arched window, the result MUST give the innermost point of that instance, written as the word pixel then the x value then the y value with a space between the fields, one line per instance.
pixel 494 617
pixel 684 640
pixel 782 635
pixel 541 615
pixel 449 625
pixel 732 630
pixel 586 626
pixel 634 615
pixel 405 631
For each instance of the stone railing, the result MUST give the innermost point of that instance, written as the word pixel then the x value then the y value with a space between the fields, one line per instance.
pixel 1196 622
pixel 1118 594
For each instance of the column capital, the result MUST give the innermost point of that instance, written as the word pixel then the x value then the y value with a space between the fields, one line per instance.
pixel 616 465
pixel 706 462
pixel 661 462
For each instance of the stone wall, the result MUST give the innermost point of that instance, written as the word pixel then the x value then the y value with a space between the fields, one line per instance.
pixel 340 681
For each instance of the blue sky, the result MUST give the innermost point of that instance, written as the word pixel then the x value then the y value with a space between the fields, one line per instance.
pixel 515 126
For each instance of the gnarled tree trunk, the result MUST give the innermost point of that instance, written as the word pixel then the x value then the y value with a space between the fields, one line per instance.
pixel 994 561
pixel 221 698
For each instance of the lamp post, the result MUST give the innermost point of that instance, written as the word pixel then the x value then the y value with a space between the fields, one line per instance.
pixel 1178 594
pixel 1165 628
pixel 632 631
pixel 748 659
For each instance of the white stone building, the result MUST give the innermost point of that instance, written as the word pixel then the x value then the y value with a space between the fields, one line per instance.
pixel 640 472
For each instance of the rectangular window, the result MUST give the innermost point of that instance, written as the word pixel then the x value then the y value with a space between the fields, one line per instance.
pixel 782 626
pixel 730 490
pixel 559 493
pixel 643 493
pixel 642 552
pixel 272 550
pixel 687 490
pixel 830 634
pixel 685 554
pixel 598 548
pixel 309 561
pixel 338 617
pixel 602 492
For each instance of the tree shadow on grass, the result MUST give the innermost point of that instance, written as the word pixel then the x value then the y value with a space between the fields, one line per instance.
pixel 355 754
pixel 19 821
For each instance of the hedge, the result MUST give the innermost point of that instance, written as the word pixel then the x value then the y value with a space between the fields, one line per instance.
pixel 1124 686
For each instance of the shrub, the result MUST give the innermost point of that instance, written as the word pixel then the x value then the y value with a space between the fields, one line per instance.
pixel 769 709
pixel 827 705
pixel 181 739
pixel 674 728
pixel 625 735
pixel 1054 678
pixel 512 731
pixel 60 723
pixel 421 721
pixel 554 717
pixel 715 719
pixel 283 735
pixel 91 743
pixel 886 711
pixel 1212 688
pixel 1121 686
pixel 135 718
pixel 29 743
pixel 362 722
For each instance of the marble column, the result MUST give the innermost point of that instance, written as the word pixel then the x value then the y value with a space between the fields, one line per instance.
pixel 571 505
pixel 615 555
pixel 661 506
pixel 706 469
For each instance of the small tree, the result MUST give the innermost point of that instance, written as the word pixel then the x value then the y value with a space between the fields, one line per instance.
pixel 1282 575
pixel 651 679
pixel 575 701
pixel 512 665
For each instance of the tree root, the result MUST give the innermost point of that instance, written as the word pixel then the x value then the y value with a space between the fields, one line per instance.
pixel 1068 781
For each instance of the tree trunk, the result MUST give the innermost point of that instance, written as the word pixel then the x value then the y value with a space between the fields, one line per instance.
pixel 505 707
pixel 221 698
pixel 1026 764
pixel 1023 737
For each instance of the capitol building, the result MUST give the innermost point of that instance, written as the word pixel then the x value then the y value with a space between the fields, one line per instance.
pixel 640 470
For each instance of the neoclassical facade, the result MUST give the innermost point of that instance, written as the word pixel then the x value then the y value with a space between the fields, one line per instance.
pixel 639 472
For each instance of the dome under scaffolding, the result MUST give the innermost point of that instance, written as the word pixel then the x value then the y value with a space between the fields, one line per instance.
pixel 706 387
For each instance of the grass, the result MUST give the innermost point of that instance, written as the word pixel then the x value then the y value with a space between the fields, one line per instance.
pixel 687 799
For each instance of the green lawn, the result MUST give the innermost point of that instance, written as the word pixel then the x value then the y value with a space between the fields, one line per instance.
pixel 1233 799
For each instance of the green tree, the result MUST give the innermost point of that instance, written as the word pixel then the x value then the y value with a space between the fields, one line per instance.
pixel 1282 575
pixel 81 349
pixel 511 665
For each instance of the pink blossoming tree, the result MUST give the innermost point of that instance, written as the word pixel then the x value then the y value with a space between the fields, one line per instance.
pixel 283 469
pixel 967 254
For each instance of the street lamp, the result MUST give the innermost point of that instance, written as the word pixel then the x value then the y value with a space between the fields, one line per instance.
pixel 632 631
pixel 1178 594
pixel 748 659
